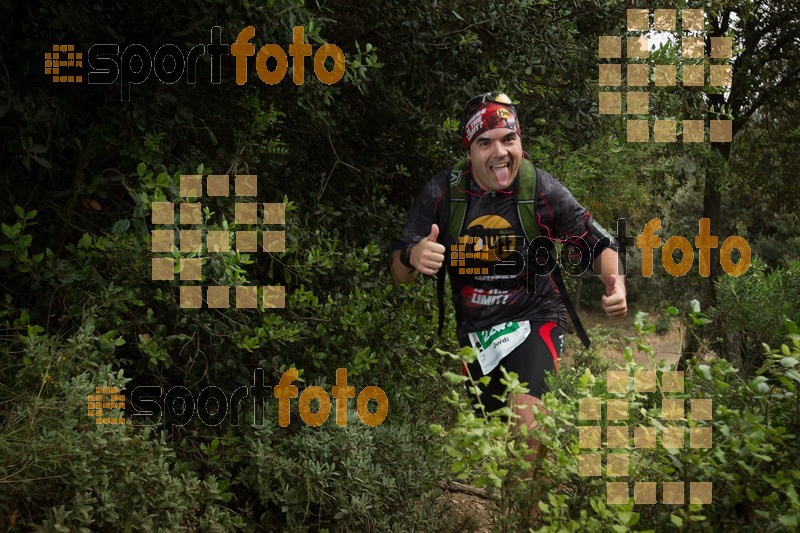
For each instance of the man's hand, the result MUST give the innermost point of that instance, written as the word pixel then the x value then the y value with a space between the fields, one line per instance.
pixel 427 255
pixel 614 302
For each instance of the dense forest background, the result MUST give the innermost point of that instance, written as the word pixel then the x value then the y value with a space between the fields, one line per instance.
pixel 82 165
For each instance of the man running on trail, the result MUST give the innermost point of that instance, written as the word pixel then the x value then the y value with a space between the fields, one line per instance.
pixel 507 305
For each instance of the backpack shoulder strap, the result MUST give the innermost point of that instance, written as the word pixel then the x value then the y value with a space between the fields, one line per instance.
pixel 526 200
pixel 455 209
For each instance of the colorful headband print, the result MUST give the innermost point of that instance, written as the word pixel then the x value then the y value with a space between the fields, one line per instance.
pixel 487 117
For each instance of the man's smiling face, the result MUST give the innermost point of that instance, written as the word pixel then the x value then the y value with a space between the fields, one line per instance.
pixel 496 157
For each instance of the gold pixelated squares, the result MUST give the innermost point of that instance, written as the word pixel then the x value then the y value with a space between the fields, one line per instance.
pixel 664 131
pixel 644 437
pixel 246 185
pixel 721 131
pixel 610 103
pixel 610 75
pixel 692 20
pixel 617 464
pixel 590 436
pixel 275 213
pixel 664 19
pixel 162 240
pixel 163 213
pixel 672 409
pixel 274 241
pixel 191 268
pixel 638 20
pixel 218 185
pixel 274 296
pixel 721 47
pixel 700 492
pixel 191 241
pixel 617 436
pixel 588 464
pixel 644 493
pixel 638 74
pixel 638 131
pixel 637 103
pixel 247 241
pixel 692 47
pixel 246 213
pixel 610 47
pixel 721 75
pixel 694 131
pixel 672 381
pixel 638 47
pixel 191 186
pixel 672 437
pixel 218 297
pixel 617 493
pixel 218 241
pixel 246 296
pixel 665 75
pixel 672 492
pixel 700 437
pixel 702 409
pixel 617 380
pixel 163 269
pixel 617 409
pixel 191 297
pixel 644 381
pixel 589 409
pixel 191 213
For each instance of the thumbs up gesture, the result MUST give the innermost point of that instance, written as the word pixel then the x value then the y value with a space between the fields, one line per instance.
pixel 427 255
pixel 614 301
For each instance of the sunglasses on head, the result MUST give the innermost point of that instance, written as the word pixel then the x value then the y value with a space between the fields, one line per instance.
pixel 476 101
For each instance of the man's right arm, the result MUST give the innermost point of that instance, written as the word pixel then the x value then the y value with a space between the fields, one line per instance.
pixel 427 256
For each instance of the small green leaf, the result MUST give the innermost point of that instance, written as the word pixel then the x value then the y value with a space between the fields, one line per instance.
pixel 672 310
pixel 676 520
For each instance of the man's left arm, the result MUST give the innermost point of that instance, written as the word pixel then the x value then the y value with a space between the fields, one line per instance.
pixel 614 301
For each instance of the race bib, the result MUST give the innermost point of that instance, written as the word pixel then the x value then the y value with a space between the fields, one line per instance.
pixel 496 343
